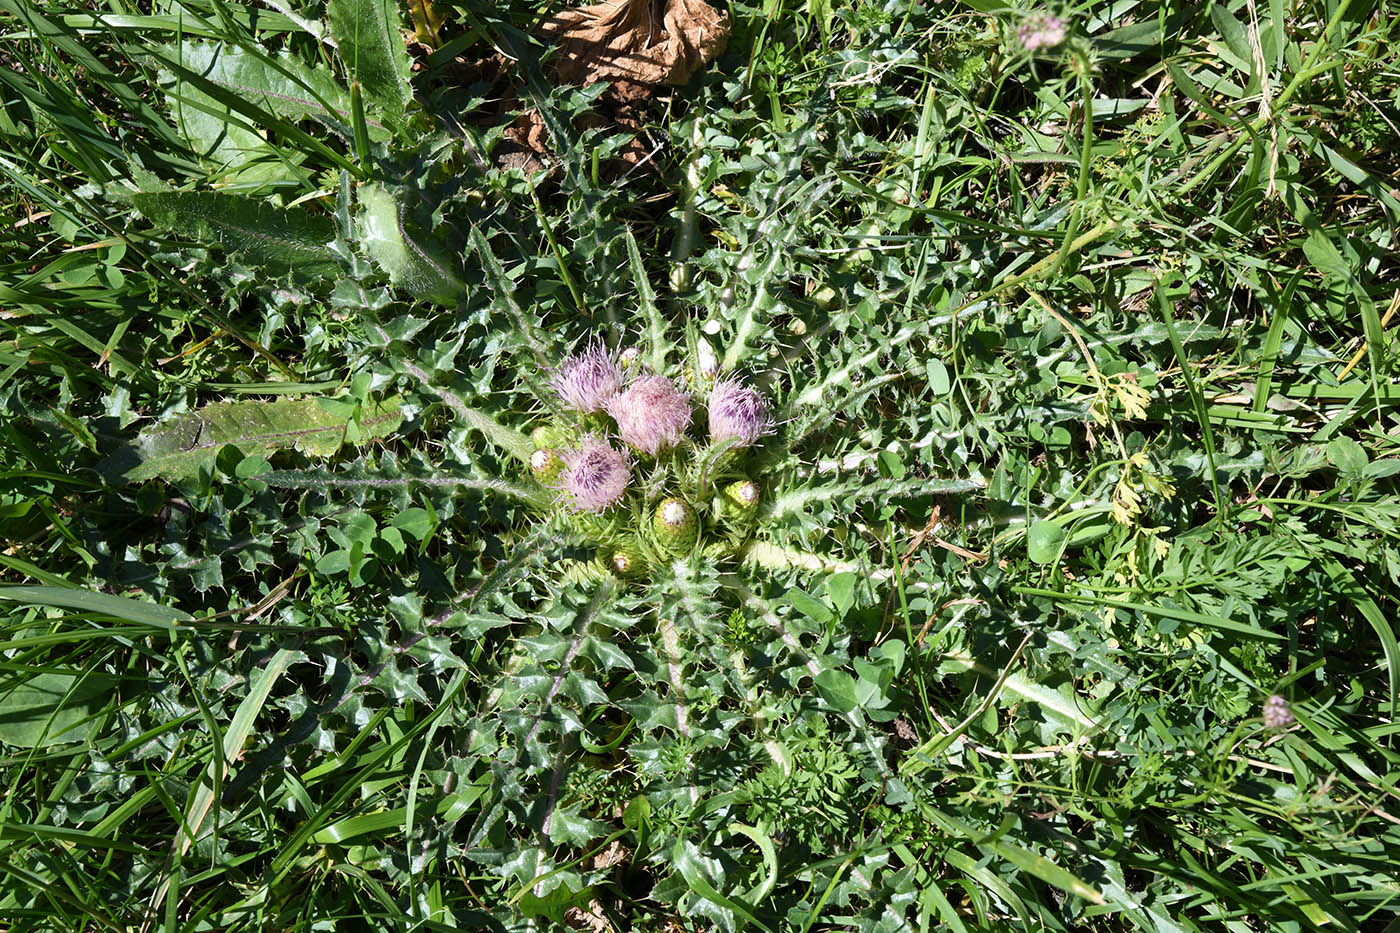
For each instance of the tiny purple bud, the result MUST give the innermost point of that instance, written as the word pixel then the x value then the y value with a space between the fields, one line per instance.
pixel 1040 31
pixel 595 475
pixel 587 379
pixel 739 412
pixel 1277 713
pixel 651 415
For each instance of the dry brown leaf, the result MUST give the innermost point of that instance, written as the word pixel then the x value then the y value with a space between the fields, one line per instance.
pixel 592 919
pixel 648 41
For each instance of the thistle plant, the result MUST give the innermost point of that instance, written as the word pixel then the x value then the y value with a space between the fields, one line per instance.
pixel 676 507
pixel 811 522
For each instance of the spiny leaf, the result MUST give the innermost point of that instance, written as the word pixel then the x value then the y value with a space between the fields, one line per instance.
pixel 281 240
pixel 188 443
pixel 323 480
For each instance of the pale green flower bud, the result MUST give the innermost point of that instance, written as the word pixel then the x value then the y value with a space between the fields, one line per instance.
pixel 627 561
pixel 674 523
pixel 741 498
pixel 546 465
pixel 549 435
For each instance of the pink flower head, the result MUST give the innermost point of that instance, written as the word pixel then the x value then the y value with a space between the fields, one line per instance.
pixel 595 475
pixel 587 379
pixel 1277 713
pixel 1041 31
pixel 738 412
pixel 651 415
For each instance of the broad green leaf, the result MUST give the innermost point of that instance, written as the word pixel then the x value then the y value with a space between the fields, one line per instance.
pixel 1044 542
pixel 938 381
pixel 184 445
pixel 811 608
pixel 415 522
pixel 49 708
pixel 838 688
pixel 367 33
pixel 1231 30
pixel 236 149
pixel 282 240
pixel 637 815
pixel 1347 455
pixel 279 84
pixel 408 263
pixel 841 587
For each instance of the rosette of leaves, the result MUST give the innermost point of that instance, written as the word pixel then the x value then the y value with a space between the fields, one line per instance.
pixel 654 678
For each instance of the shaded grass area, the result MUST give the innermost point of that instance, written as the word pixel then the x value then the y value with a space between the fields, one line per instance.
pixel 1084 378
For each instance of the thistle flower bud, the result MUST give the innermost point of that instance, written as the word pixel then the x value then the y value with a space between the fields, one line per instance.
pixel 587 380
pixel 674 523
pixel 595 475
pixel 1277 713
pixel 546 465
pixel 629 357
pixel 737 412
pixel 627 562
pixel 548 435
pixel 744 494
pixel 738 503
pixel 651 415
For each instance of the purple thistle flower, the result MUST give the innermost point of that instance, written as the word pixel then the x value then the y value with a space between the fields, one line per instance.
pixel 1041 31
pixel 739 412
pixel 1277 713
pixel 595 475
pixel 651 415
pixel 587 379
